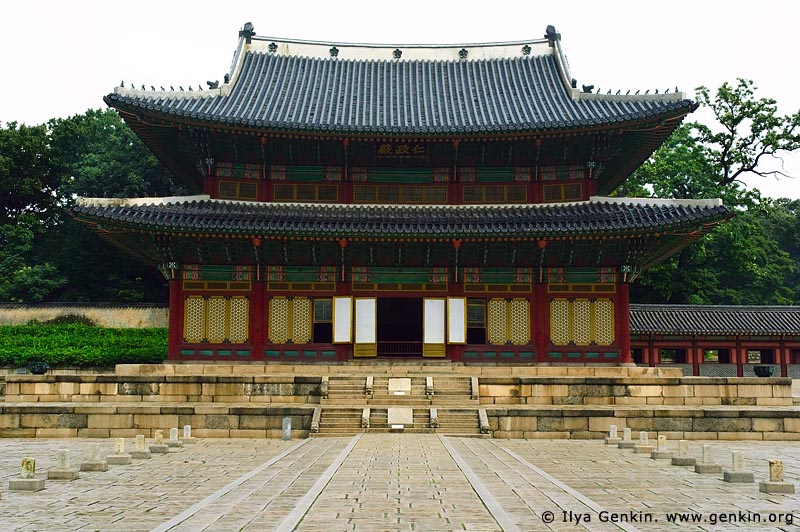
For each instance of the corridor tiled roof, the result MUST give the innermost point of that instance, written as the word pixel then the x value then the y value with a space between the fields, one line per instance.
pixel 601 216
pixel 714 319
pixel 285 86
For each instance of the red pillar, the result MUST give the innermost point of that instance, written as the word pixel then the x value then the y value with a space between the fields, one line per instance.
pixel 258 318
pixel 647 354
pixel 175 319
pixel 541 326
pixel 624 322
pixel 739 357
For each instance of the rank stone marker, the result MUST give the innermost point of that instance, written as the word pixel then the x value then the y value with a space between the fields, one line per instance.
pixel 661 452
pixel 119 456
pixel 644 446
pixel 26 480
pixel 286 429
pixel 187 435
pixel 94 463
pixel 612 438
pixel 158 446
pixel 140 450
pixel 738 474
pixel 627 442
pixel 776 483
pixel 62 471
pixel 683 458
pixel 173 440
pixel 707 466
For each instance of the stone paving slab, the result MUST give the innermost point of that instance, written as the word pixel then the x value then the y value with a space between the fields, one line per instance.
pixel 387 482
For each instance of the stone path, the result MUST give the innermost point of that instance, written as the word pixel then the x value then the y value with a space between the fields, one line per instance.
pixel 395 482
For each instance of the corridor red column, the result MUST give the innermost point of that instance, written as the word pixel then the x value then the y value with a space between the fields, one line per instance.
pixel 623 322
pixel 175 319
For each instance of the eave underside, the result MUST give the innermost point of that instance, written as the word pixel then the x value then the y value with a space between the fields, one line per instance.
pixel 584 234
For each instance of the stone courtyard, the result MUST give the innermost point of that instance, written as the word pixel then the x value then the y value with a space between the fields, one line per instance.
pixel 391 482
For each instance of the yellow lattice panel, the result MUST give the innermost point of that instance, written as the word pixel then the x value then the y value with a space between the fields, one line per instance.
pixel 216 326
pixel 301 320
pixel 582 321
pixel 194 319
pixel 520 322
pixel 279 315
pixel 239 320
pixel 559 322
pixel 604 321
pixel 496 317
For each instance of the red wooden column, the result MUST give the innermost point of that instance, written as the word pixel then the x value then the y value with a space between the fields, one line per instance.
pixel 623 322
pixel 175 319
pixel 541 317
pixel 258 318
pixel 739 357
pixel 647 353
pixel 782 356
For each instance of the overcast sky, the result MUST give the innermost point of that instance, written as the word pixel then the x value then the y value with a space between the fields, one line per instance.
pixel 60 58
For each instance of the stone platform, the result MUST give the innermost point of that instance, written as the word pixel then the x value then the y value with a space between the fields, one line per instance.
pixel 250 401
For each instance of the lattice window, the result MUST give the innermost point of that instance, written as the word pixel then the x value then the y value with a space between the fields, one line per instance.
pixel 279 316
pixel 495 193
pixel 563 192
pixel 582 321
pixel 216 317
pixel 241 190
pixel 604 321
pixel 239 320
pixel 519 322
pixel 301 320
pixel 560 322
pixel 305 192
pixel 497 315
pixel 194 319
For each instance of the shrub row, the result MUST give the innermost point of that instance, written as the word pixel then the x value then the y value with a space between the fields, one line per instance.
pixel 78 344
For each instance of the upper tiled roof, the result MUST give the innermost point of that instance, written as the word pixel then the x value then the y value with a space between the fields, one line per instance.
pixel 601 216
pixel 712 319
pixel 481 89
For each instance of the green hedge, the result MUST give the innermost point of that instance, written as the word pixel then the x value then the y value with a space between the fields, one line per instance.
pixel 79 344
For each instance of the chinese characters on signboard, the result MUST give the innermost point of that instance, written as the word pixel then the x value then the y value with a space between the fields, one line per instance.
pixel 401 149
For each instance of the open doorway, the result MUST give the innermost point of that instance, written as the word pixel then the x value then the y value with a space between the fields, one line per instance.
pixel 400 327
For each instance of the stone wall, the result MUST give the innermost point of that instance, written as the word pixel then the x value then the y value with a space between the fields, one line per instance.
pixel 120 421
pixel 703 423
pixel 110 388
pixel 636 391
pixel 103 315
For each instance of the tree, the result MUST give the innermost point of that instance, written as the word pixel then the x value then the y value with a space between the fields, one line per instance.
pixel 743 261
pixel 749 130
pixel 96 154
pixel 27 183
pixel 23 280
pixel 46 255
pixel 28 198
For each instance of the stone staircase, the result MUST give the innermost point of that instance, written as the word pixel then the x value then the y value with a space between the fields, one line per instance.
pixel 355 390
pixel 361 403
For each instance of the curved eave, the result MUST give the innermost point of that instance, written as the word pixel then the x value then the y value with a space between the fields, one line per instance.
pixel 673 110
pixel 390 223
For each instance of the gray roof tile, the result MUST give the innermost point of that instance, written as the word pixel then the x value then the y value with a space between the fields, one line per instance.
pixel 714 319
pixel 430 221
pixel 282 92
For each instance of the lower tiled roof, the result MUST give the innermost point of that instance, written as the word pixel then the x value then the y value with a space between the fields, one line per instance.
pixel 600 216
pixel 714 319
